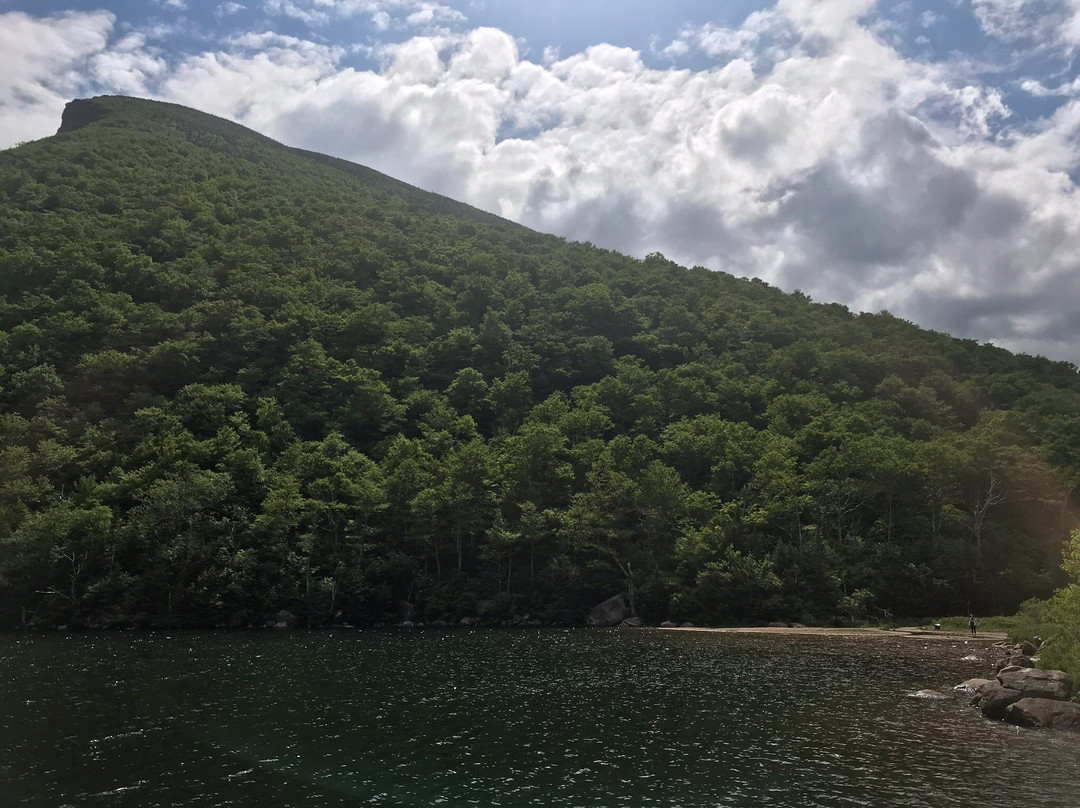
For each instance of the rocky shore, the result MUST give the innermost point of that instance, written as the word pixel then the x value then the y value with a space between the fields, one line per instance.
pixel 1022 694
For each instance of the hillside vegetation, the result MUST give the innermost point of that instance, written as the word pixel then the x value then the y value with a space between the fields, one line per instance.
pixel 237 377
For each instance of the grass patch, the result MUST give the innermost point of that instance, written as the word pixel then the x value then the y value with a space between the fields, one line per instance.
pixel 1007 623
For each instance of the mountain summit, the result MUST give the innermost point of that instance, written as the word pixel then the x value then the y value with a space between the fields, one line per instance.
pixel 242 383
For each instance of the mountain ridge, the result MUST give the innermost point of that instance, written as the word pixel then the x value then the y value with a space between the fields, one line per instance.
pixel 237 377
pixel 82 112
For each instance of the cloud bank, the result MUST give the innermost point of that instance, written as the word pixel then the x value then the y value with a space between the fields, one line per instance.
pixel 808 151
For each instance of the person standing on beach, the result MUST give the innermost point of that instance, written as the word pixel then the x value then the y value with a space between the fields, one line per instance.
pixel 973 624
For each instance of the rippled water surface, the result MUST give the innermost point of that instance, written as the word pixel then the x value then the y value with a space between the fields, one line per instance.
pixel 544 717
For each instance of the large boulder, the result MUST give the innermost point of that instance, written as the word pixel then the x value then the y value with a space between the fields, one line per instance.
pixel 632 622
pixel 994 699
pixel 609 613
pixel 1028 648
pixel 1049 713
pixel 1038 684
pixel 286 619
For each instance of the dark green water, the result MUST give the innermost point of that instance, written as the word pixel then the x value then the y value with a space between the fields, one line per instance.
pixel 545 718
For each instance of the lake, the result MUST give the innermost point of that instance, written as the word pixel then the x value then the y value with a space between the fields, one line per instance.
pixel 542 717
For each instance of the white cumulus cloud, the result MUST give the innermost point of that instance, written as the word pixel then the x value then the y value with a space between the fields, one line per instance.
pixel 43 62
pixel 810 152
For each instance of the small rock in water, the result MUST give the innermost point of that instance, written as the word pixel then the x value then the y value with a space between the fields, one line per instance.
pixel 971 687
pixel 928 695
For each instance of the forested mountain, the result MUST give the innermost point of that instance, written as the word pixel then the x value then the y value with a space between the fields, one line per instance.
pixel 237 377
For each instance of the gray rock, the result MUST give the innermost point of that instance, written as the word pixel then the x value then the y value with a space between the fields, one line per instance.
pixel 687 624
pixel 971 687
pixel 1028 648
pixel 609 613
pixel 993 700
pixel 467 621
pixel 667 624
pixel 1048 713
pixel 1038 684
pixel 288 618
pixel 632 622
pixel 535 623
pixel 778 625
pixel 1015 661
pixel 928 695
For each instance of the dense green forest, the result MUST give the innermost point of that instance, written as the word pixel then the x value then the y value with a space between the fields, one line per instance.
pixel 237 377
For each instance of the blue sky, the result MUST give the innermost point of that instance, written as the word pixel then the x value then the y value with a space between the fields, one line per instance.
pixel 914 156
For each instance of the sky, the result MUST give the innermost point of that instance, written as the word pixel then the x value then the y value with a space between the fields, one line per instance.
pixel 911 156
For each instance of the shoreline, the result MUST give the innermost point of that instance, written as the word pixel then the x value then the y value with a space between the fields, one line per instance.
pixel 913 632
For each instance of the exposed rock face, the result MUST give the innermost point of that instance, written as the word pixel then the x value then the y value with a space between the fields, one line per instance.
pixel 609 613
pixel 79 113
pixel 994 699
pixel 1038 684
pixel 1048 713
